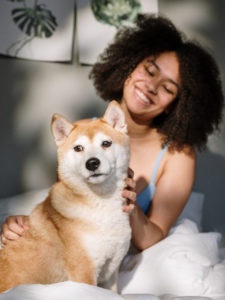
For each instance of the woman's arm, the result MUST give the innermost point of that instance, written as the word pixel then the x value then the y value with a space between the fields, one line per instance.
pixel 172 192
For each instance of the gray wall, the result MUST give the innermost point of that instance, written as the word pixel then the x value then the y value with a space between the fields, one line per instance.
pixel 32 91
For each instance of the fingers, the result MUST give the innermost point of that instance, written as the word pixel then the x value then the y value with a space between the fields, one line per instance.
pixel 23 221
pixel 129 208
pixel 130 184
pixel 130 203
pixel 3 241
pixel 8 236
pixel 129 193
pixel 13 228
pixel 131 196
pixel 130 173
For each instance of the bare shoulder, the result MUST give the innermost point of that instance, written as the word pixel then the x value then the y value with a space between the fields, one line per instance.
pixel 179 169
pixel 179 172
pixel 187 154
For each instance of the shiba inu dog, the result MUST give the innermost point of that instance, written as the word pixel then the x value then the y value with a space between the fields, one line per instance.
pixel 80 231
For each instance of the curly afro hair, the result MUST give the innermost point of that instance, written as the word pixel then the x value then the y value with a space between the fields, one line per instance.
pixel 197 110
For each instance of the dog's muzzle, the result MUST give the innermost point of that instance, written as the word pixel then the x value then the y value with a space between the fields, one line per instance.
pixel 92 163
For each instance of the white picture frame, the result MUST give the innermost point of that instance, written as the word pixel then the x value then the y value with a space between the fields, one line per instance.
pixel 93 36
pixel 51 41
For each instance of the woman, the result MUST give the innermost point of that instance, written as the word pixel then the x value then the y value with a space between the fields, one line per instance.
pixel 170 91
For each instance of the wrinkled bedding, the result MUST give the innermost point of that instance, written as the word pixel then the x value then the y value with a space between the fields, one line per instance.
pixel 79 291
pixel 187 265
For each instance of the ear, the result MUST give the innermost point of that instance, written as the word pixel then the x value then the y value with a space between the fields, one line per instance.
pixel 60 128
pixel 115 116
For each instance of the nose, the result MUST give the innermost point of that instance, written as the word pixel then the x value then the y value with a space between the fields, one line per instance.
pixel 152 87
pixel 92 163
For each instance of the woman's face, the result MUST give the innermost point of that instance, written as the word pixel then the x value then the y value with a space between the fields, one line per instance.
pixel 152 86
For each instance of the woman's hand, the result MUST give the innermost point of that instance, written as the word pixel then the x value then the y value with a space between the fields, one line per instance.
pixel 13 228
pixel 129 192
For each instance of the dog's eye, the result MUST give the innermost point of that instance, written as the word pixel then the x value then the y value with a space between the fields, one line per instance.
pixel 106 144
pixel 78 148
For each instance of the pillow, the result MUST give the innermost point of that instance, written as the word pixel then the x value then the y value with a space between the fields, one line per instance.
pixel 21 204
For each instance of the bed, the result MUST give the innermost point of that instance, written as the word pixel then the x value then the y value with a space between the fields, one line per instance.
pixel 187 265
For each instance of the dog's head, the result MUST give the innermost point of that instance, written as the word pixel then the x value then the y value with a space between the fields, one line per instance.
pixel 92 151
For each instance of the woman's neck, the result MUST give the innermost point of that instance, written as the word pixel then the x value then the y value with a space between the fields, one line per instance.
pixel 137 128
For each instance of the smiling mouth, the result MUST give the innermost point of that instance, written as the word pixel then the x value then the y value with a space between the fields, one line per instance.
pixel 143 97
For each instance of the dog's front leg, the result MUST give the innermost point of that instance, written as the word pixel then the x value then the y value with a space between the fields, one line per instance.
pixel 112 282
pixel 82 272
pixel 78 265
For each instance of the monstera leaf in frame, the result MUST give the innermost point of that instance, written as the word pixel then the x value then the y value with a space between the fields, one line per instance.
pixel 35 21
pixel 116 13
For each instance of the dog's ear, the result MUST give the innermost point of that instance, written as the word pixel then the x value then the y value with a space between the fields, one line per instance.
pixel 60 128
pixel 115 116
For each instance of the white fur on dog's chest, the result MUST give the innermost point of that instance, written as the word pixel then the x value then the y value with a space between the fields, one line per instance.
pixel 109 243
pixel 112 225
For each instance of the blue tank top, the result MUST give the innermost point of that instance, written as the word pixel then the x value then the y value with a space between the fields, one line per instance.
pixel 145 197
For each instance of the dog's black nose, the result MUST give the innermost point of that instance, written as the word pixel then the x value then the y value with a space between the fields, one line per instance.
pixel 92 163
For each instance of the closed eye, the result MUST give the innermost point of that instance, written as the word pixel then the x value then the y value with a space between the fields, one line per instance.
pixel 148 72
pixel 168 90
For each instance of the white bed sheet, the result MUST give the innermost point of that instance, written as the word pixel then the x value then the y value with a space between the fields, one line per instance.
pixel 187 265
pixel 78 291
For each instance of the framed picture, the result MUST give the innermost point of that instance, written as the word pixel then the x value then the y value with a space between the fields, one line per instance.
pixel 37 29
pixel 98 21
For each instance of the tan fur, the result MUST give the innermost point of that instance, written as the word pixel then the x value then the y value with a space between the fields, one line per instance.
pixel 52 250
pixel 91 128
pixel 49 252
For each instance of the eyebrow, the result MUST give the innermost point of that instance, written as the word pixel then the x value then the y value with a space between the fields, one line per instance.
pixel 158 68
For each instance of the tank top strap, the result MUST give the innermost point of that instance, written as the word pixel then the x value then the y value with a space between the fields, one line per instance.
pixel 155 169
